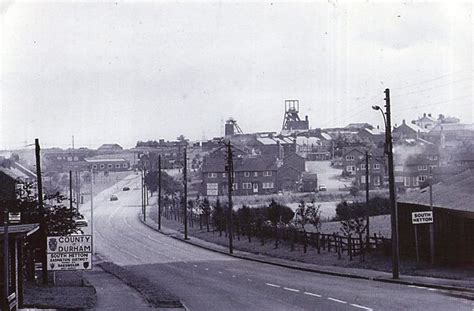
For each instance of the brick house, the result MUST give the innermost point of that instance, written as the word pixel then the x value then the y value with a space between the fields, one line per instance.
pixel 408 131
pixel 416 169
pixel 252 175
pixel 350 157
pixel 377 172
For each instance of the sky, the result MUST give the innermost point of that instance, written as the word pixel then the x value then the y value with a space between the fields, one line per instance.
pixel 123 71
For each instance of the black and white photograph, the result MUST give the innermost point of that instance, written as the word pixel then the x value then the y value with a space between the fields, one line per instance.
pixel 236 155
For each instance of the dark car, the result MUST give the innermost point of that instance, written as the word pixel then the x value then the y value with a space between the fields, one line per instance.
pixel 126 188
pixel 113 197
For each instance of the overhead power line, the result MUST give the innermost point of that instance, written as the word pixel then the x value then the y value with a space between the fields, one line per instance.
pixel 430 80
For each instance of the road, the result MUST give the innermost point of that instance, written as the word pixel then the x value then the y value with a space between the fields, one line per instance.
pixel 205 280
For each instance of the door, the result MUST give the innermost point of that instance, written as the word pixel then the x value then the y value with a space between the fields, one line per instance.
pixel 255 187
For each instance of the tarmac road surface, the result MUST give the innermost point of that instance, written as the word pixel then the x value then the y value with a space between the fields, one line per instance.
pixel 205 280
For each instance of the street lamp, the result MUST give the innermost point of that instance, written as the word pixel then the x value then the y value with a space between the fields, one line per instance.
pixel 391 180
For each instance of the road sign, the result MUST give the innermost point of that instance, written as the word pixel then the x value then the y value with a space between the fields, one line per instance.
pixel 71 252
pixel 70 244
pixel 69 261
pixel 213 189
pixel 419 218
pixel 14 217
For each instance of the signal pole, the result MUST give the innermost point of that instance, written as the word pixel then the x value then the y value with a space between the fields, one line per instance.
pixel 367 194
pixel 159 192
pixel 185 203
pixel 44 259
pixel 393 200
pixel 230 173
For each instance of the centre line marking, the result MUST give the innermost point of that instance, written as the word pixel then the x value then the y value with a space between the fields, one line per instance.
pixel 220 272
pixel 207 269
pixel 361 307
pixel 233 276
pixel 336 300
pixel 312 294
pixel 195 266
pixel 272 285
pixel 291 289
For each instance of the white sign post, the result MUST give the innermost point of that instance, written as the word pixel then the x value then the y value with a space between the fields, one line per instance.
pixel 419 218
pixel 72 252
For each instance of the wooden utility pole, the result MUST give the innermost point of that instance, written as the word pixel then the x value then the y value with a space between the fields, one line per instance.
pixel 367 196
pixel 159 192
pixel 44 268
pixel 230 173
pixel 143 194
pixel 393 200
pixel 70 189
pixel 185 203
pixel 432 242
pixel 6 266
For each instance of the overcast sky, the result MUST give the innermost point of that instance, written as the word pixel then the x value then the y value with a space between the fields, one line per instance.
pixel 126 71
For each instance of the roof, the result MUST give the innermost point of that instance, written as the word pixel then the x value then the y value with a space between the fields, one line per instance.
pixel 359 125
pixel 26 229
pixel 95 160
pixel 326 136
pixel 413 127
pixel 350 149
pixel 310 176
pixel 266 140
pixel 453 193
pixel 374 131
pixel 109 146
pixel 464 156
pixel 12 173
pixel 447 127
pixel 241 164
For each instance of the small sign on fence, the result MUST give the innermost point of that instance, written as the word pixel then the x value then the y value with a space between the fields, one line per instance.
pixel 419 218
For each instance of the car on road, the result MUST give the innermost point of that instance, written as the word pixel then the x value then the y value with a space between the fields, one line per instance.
pixel 322 188
pixel 81 222
pixel 126 188
pixel 113 197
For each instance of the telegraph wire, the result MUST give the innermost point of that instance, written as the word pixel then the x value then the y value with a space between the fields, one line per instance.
pixel 430 80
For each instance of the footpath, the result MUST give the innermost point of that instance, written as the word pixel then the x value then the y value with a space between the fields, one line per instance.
pixel 462 288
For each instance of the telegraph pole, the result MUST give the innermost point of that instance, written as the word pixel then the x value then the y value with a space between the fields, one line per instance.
pixel 393 200
pixel 70 189
pixel 432 249
pixel 44 263
pixel 6 255
pixel 367 194
pixel 92 211
pixel 159 192
pixel 143 196
pixel 185 203
pixel 230 172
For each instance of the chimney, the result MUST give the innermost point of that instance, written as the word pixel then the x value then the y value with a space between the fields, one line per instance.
pixel 413 122
pixel 429 115
pixel 403 121
pixel 424 114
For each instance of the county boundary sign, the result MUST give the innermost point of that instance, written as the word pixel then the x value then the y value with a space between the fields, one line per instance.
pixel 71 252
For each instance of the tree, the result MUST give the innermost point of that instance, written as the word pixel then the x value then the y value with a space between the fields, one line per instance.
pixel 279 215
pixel 168 184
pixel 352 217
pixel 206 209
pixel 218 217
pixel 307 214
pixel 245 220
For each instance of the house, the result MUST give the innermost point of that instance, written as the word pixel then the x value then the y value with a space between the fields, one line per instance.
pixel 99 163
pixel 350 157
pixel 375 136
pixel 109 148
pixel 463 160
pixel 309 182
pixel 426 122
pixel 254 174
pixel 453 211
pixel 59 160
pixel 359 126
pixel 378 173
pixel 408 131
pixel 452 135
pixel 413 168
pixel 312 148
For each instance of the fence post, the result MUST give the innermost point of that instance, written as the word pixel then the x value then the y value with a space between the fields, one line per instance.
pixel 324 242
pixel 361 248
pixel 376 241
pixel 349 247
pixel 318 246
pixel 338 245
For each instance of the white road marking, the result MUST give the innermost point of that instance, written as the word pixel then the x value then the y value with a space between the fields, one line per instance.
pixel 195 266
pixel 207 269
pixel 419 287
pixel 432 289
pixel 251 281
pixel 233 276
pixel 291 289
pixel 312 294
pixel 361 307
pixel 336 300
pixel 272 285
pixel 220 272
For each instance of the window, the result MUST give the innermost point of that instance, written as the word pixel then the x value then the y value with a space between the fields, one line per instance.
pixel 350 158
pixel 94 166
pixel 267 185
pixel 362 179
pixel 420 167
pixel 224 175
pixel 117 165
pixel 376 166
pixel 399 179
pixel 415 182
pixel 212 175
pixel 246 174
pixel 76 159
pixel 376 180
pixel 69 158
pixel 255 174
pixel 362 166
pixel 406 181
pixel 267 173
pixel 125 165
pixel 235 186
pixel 102 166
pixel 59 158
pixel 246 185
pixel 350 168
pixel 110 165
pixel 422 178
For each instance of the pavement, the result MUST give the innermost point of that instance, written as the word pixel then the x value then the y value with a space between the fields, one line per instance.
pixel 464 288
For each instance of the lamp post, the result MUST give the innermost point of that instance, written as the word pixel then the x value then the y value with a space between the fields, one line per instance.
pixel 391 179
